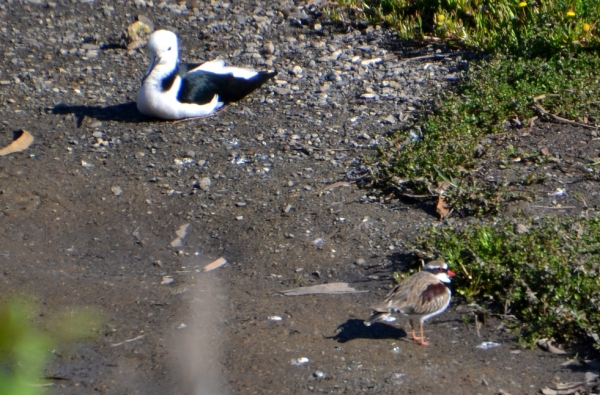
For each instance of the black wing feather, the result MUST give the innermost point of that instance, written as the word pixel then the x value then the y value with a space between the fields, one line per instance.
pixel 200 86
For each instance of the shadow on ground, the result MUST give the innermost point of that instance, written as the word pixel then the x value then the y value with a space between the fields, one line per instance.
pixel 126 112
pixel 356 329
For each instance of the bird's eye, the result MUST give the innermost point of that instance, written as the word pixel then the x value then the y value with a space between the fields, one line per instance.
pixel 168 49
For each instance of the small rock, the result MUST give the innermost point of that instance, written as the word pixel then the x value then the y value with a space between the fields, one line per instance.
pixel 166 280
pixel 389 120
pixel 360 262
pixel 520 229
pixel 300 361
pixel 205 184
pixel 369 62
pixel 369 95
pixel 297 70
pixel 479 151
pixel 269 48
pixel 117 190
pixel 282 91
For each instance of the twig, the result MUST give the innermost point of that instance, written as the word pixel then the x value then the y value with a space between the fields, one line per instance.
pixel 424 197
pixel 336 185
pixel 555 208
pixel 543 112
pixel 303 148
pixel 128 340
pixel 436 57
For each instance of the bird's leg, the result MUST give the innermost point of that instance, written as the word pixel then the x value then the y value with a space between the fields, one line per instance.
pixel 412 329
pixel 422 341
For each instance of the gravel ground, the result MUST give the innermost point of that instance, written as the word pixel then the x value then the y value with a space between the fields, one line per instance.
pixel 90 211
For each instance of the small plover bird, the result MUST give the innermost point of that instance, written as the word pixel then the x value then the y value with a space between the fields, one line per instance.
pixel 421 296
pixel 173 90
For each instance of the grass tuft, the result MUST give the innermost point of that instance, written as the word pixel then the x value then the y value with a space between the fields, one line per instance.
pixel 548 277
pixel 506 26
pixel 441 144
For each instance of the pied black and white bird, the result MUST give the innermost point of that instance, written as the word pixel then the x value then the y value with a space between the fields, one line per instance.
pixel 420 297
pixel 173 90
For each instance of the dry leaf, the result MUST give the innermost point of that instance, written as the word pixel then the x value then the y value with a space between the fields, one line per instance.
pixel 545 151
pixel 215 264
pixel 442 207
pixel 331 288
pixel 21 143
pixel 137 31
pixel 546 345
pixel 550 391
pixel 336 185
pixel 181 232
pixel 137 27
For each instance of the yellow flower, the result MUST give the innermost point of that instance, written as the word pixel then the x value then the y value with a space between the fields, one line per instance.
pixel 523 4
pixel 571 13
pixel 586 27
pixel 441 18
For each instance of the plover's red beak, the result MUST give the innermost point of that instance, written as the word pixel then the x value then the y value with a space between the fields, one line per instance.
pixel 451 273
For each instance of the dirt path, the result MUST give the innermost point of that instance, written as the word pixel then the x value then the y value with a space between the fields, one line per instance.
pixel 89 213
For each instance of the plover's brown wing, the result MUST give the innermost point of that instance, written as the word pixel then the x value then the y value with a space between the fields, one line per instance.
pixel 403 293
pixel 393 302
pixel 433 298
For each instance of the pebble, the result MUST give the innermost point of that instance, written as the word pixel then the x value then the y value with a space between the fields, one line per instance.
pixel 389 120
pixel 370 62
pixel 117 190
pixel 269 47
pixel 296 70
pixel 205 184
pixel 300 361
pixel 369 96
pixel 282 91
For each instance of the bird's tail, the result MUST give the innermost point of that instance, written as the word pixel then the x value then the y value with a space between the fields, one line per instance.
pixel 376 316
pixel 241 87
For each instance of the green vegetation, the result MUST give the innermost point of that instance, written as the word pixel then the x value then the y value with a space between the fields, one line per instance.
pixel 536 53
pixel 497 91
pixel 547 277
pixel 524 27
pixel 25 347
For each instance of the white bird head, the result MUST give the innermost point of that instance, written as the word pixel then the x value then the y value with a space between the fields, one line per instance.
pixel 440 270
pixel 164 50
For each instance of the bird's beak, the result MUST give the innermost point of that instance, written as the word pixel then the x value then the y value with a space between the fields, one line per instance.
pixel 451 273
pixel 154 62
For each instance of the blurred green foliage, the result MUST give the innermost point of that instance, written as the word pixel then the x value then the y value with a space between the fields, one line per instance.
pixel 25 347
